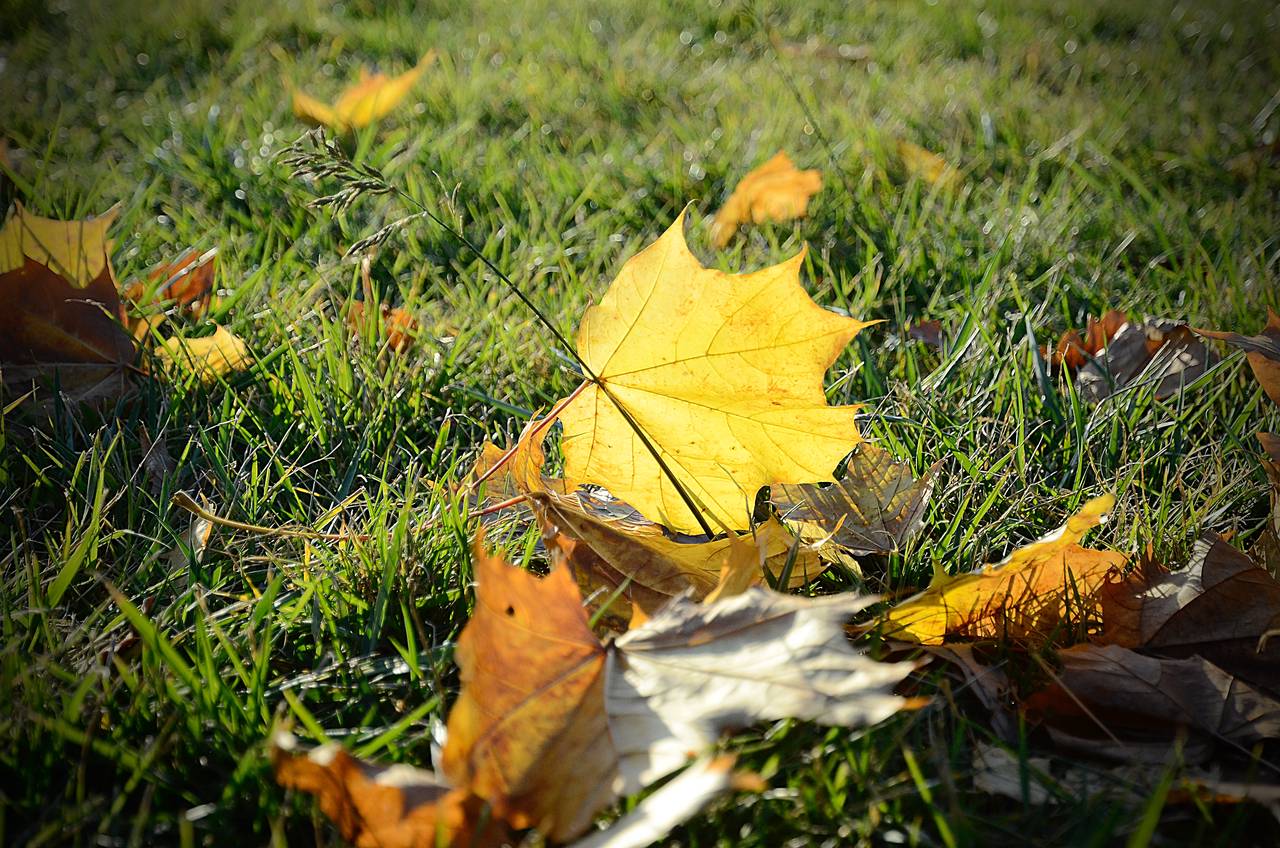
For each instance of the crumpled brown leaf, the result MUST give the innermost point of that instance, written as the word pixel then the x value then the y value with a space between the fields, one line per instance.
pixel 874 508
pixel 1160 351
pixel 1262 350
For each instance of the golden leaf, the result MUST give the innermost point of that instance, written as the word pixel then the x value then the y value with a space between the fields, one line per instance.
pixel 775 191
pixel 211 356
pixel 373 97
pixel 1024 597
pixel 722 372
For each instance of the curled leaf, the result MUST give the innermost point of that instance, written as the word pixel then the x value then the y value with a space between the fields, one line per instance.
pixel 1262 351
pixel 1025 597
pixel 874 508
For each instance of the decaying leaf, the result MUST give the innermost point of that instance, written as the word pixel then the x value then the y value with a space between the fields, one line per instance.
pixel 211 357
pixel 551 723
pixel 722 372
pixel 1221 607
pixel 373 97
pixel 62 314
pixel 1074 351
pixel 926 165
pixel 875 507
pixel 929 332
pixel 648 568
pixel 1024 598
pixel 1159 351
pixel 375 806
pixel 693 671
pixel 775 191
pixel 1266 551
pixel 1106 694
pixel 1262 350
pixel 186 283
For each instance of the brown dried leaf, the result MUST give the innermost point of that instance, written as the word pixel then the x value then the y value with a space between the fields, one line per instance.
pixel 62 313
pixel 1160 351
pixel 398 324
pixel 874 508
pixel 187 283
pixel 1105 694
pixel 1262 350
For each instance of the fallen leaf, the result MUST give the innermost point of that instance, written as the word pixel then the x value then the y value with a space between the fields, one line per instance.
pixel 62 313
pixel 528 732
pixel 1104 695
pixel 926 165
pixel 1266 551
pixel 675 803
pixel 1159 351
pixel 693 671
pixel 370 99
pixel 1041 780
pixel 551 724
pixel 813 47
pixel 211 357
pixel 649 569
pixel 375 806
pixel 929 332
pixel 723 373
pixel 186 283
pixel 1074 351
pixel 1262 351
pixel 875 507
pixel 1024 598
pixel 775 191
pixel 1221 608
pixel 398 324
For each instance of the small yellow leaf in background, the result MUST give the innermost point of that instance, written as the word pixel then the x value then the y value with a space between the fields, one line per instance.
pixel 775 191
pixel 927 165
pixel 373 97
pixel 211 357
pixel 722 372
pixel 1024 597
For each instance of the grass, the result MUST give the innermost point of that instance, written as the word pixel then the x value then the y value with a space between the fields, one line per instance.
pixel 1094 139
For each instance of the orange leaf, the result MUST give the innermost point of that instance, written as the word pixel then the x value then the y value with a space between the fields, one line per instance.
pixel 528 731
pixel 775 191
pixel 187 282
pixel 384 806
pixel 398 324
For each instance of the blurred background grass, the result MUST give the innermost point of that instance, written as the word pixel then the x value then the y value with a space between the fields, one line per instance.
pixel 1114 155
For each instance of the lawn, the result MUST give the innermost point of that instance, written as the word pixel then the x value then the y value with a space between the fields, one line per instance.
pixel 1100 150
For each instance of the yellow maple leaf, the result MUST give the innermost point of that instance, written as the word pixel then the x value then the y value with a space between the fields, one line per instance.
pixel 371 98
pixel 775 191
pixel 722 372
pixel 1023 597
pixel 211 356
